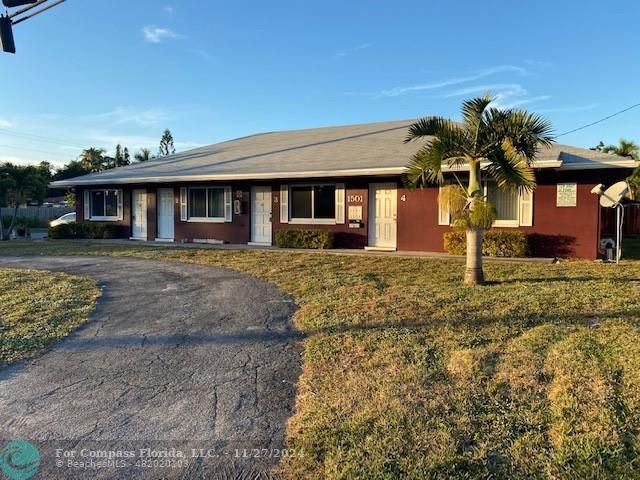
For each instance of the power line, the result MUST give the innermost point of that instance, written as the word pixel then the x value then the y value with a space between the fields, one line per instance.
pixel 598 121
pixel 38 138
pixel 61 155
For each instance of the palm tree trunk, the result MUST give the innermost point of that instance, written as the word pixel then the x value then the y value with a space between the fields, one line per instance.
pixel 474 274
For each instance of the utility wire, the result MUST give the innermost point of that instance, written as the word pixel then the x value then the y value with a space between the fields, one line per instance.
pixel 61 155
pixel 39 138
pixel 598 121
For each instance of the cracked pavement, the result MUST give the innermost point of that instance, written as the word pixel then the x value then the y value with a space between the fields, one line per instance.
pixel 174 356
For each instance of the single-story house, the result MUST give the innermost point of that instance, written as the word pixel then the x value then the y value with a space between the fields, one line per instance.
pixel 347 179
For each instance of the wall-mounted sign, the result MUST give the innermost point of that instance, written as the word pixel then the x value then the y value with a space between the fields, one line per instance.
pixel 355 213
pixel 239 194
pixel 566 194
pixel 355 198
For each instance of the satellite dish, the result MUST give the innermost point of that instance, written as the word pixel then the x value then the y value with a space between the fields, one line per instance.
pixel 614 194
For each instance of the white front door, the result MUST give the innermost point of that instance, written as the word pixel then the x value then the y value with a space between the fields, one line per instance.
pixel 165 214
pixel 261 215
pixel 383 204
pixel 139 214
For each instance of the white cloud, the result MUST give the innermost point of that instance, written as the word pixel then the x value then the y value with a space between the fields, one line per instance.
pixel 130 115
pixel 345 52
pixel 394 92
pixel 202 54
pixel 153 34
pixel 511 89
pixel 4 123
pixel 507 95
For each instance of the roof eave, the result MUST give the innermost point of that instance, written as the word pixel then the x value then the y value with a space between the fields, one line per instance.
pixel 231 177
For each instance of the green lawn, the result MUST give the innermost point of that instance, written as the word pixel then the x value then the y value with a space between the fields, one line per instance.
pixel 37 308
pixel 409 374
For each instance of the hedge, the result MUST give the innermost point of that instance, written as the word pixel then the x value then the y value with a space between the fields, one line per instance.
pixel 84 230
pixel 299 238
pixel 497 243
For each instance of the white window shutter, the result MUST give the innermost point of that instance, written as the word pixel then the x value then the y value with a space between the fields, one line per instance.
pixel 526 208
pixel 284 203
pixel 183 204
pixel 87 205
pixel 340 203
pixel 120 208
pixel 444 217
pixel 228 211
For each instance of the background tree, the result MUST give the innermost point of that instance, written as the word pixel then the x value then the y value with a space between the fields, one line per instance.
pixel 70 198
pixel 624 148
pixel 75 168
pixel 166 144
pixel 121 157
pixel 93 159
pixel 143 155
pixel 118 158
pixel 500 143
pixel 20 184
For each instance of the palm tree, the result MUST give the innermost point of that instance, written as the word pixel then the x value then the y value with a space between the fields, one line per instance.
pixel 93 159
pixel 499 143
pixel 625 148
pixel 20 184
pixel 143 155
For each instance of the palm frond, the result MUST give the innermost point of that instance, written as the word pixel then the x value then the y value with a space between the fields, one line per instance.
pixel 454 197
pixel 425 166
pixel 509 168
pixel 427 127
pixel 526 131
pixel 473 110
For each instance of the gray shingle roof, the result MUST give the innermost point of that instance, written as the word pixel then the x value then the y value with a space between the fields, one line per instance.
pixel 352 150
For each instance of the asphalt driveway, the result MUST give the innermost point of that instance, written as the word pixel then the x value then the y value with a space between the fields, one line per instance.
pixel 175 358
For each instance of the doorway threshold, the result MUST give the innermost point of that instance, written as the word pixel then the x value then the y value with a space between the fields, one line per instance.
pixel 380 249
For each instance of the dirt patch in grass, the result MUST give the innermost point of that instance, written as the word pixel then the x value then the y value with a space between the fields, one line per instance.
pixel 38 308
pixel 409 374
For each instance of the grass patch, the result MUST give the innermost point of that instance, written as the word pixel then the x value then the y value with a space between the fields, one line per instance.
pixel 38 308
pixel 410 374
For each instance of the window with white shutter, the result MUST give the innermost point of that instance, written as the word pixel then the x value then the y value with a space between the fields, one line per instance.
pixel 340 203
pixel 444 216
pixel 284 204
pixel 183 204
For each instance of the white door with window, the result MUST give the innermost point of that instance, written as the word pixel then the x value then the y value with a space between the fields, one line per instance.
pixel 383 204
pixel 139 214
pixel 165 214
pixel 261 215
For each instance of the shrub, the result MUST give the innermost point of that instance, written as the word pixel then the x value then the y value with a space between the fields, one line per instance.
pixel 497 243
pixel 84 230
pixel 298 238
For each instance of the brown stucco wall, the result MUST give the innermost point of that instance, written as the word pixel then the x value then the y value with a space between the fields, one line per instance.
pixel 125 224
pixel 356 194
pixel 236 231
pixel 556 231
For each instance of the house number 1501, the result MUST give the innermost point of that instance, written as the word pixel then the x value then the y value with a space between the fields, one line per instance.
pixel 355 198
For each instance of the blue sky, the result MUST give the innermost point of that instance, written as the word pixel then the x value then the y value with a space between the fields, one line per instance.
pixel 99 72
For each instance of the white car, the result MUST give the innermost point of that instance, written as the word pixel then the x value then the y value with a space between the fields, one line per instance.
pixel 66 218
